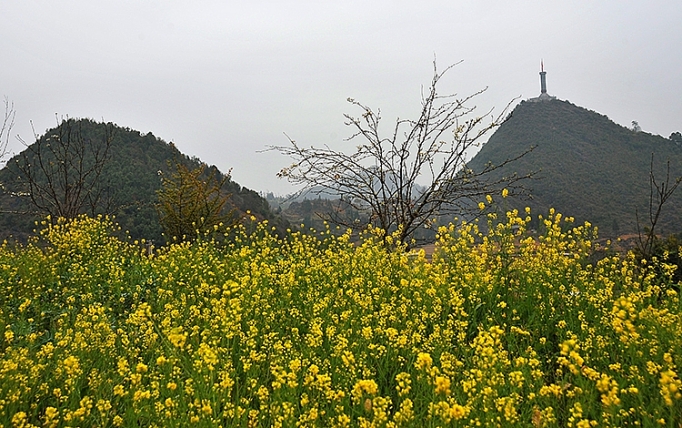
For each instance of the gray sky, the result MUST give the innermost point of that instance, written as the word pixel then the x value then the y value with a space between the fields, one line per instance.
pixel 225 79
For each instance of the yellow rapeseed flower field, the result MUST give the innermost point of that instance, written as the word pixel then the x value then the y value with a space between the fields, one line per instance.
pixel 502 328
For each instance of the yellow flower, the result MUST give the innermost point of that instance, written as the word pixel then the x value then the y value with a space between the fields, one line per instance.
pixel 670 387
pixel 141 395
pixel 24 305
pixel 19 419
pixel 458 412
pixel 208 355
pixel 119 390
pixel 103 405
pixel 403 383
pixel 177 337
pixel 71 365
pixel 424 361
pixel 364 386
pixel 442 385
pixel 51 417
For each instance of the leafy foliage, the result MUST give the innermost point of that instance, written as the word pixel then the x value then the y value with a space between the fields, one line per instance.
pixel 191 204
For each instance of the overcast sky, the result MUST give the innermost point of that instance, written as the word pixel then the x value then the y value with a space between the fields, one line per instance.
pixel 224 80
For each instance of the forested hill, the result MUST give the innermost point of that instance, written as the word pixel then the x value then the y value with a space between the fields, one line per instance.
pixel 131 176
pixel 588 166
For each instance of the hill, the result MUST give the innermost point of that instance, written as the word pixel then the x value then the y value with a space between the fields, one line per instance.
pixel 587 166
pixel 131 176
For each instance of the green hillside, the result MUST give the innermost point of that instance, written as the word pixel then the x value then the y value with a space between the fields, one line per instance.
pixel 131 176
pixel 587 166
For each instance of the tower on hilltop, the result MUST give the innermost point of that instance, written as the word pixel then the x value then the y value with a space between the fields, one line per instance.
pixel 544 96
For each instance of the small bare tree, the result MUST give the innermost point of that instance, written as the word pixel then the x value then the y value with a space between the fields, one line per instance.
pixel 6 129
pixel 62 171
pixel 382 176
pixel 659 193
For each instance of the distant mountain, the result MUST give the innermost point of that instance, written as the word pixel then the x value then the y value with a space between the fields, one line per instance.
pixel 587 166
pixel 132 176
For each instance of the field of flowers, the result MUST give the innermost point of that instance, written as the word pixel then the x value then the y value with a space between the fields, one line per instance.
pixel 500 329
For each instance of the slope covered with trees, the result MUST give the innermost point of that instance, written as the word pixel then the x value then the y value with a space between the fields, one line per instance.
pixel 586 165
pixel 131 177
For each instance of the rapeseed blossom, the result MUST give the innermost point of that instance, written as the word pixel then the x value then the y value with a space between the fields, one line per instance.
pixel 501 328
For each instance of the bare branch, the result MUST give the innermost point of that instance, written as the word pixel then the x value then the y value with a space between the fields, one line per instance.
pixel 417 171
pixel 659 193
pixel 61 171
pixel 6 129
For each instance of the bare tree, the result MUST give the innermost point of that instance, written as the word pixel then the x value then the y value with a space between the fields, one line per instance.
pixel 62 171
pixel 659 193
pixel 382 176
pixel 6 129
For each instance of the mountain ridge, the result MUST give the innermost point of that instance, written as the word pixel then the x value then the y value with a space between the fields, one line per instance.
pixel 133 173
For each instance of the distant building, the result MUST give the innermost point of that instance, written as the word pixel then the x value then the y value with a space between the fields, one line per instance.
pixel 544 96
